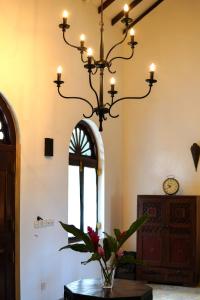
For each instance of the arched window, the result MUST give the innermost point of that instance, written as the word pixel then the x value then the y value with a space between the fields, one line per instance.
pixel 82 178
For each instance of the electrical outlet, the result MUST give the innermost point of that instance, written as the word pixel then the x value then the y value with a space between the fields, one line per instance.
pixel 43 223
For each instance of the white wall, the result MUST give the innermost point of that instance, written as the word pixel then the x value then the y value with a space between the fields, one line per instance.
pixel 31 48
pixel 159 131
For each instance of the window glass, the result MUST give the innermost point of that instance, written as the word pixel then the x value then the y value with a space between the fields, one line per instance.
pixel 1 135
pixel 73 196
pixel 90 194
pixel 1 132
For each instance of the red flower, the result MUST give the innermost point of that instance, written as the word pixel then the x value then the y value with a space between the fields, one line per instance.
pixel 121 235
pixel 101 251
pixel 120 253
pixel 94 237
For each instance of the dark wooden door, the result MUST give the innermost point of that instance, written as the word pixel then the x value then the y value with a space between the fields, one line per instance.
pixel 7 225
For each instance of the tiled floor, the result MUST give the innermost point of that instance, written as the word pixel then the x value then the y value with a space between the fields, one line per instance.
pixel 168 292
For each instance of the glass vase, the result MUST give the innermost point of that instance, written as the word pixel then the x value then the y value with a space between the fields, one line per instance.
pixel 107 277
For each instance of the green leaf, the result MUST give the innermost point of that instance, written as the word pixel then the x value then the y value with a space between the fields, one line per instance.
pixel 112 242
pixel 78 234
pixel 117 233
pixel 76 247
pixel 133 228
pixel 95 256
pixel 107 250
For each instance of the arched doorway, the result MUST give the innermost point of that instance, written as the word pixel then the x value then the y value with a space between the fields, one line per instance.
pixel 7 202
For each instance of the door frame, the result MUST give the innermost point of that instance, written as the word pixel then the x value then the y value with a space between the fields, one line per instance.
pixel 13 133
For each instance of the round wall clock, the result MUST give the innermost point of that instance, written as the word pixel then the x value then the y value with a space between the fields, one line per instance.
pixel 171 186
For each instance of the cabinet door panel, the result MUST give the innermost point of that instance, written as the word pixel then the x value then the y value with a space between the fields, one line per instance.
pixel 150 241
pixel 180 251
pixel 152 245
pixel 180 212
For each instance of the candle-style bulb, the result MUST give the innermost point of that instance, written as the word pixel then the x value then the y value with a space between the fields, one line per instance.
pixel 59 70
pixel 152 67
pixel 112 84
pixel 132 35
pixel 82 37
pixel 126 8
pixel 132 32
pixel 82 40
pixel 112 81
pixel 89 55
pixel 65 14
pixel 89 52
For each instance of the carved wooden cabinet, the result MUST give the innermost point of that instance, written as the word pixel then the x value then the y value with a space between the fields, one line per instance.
pixel 169 243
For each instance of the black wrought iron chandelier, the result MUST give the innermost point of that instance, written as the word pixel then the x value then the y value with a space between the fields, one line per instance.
pixel 94 66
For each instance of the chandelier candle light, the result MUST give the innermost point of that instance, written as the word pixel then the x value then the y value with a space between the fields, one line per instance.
pixel 104 62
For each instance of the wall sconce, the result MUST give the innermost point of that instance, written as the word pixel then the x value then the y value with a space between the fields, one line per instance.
pixel 195 150
pixel 48 147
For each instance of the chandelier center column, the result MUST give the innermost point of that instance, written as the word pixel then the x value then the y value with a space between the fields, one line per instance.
pixel 101 52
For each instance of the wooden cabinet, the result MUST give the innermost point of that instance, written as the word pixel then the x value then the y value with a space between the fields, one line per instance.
pixel 169 243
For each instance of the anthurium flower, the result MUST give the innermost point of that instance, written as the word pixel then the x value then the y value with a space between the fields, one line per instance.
pixel 101 251
pixel 121 235
pixel 120 253
pixel 94 237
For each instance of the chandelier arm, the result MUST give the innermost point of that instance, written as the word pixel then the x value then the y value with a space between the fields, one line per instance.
pixel 93 73
pixel 112 72
pixel 121 57
pixel 78 98
pixel 82 59
pixel 119 43
pixel 92 88
pixel 112 116
pixel 69 44
pixel 131 98
pixel 90 116
pixel 110 104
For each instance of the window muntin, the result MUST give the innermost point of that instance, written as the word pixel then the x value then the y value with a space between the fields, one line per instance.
pixel 81 143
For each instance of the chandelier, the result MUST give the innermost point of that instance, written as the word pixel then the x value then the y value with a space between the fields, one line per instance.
pixel 105 61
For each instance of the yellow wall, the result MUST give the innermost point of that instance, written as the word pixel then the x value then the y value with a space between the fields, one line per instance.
pixel 159 131
pixel 31 48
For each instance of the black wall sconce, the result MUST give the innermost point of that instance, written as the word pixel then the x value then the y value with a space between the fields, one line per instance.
pixel 48 147
pixel 195 150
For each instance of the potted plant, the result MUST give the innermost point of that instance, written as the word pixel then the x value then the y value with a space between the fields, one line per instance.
pixel 108 252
